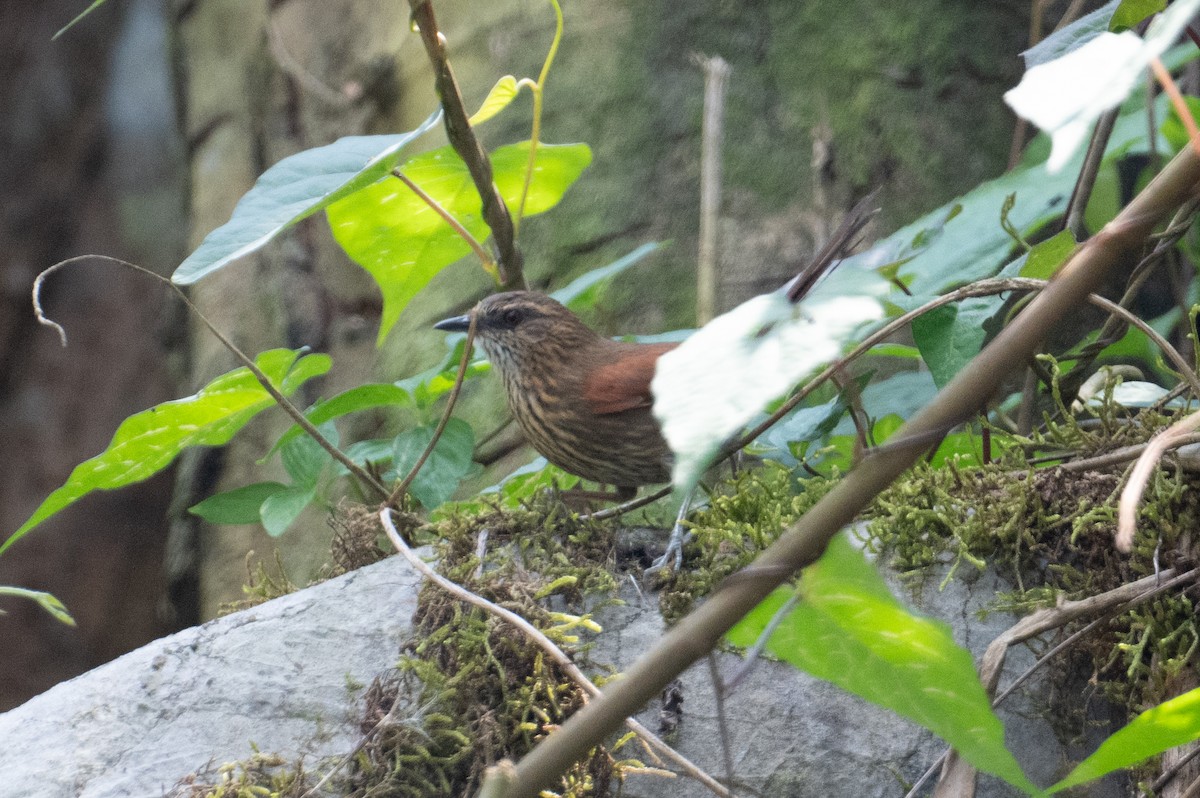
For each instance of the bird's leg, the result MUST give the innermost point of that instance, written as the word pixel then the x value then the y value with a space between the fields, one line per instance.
pixel 679 536
pixel 580 498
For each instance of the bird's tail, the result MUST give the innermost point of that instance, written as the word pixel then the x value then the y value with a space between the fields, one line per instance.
pixel 836 248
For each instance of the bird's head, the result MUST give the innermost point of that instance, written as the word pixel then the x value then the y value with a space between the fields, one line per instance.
pixel 518 326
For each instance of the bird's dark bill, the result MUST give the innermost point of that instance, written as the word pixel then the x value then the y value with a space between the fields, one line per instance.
pixel 454 324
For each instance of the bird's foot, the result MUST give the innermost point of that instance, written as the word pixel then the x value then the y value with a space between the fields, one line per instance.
pixel 673 556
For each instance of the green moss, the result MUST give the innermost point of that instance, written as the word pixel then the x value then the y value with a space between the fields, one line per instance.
pixel 745 515
pixel 259 776
pixel 478 689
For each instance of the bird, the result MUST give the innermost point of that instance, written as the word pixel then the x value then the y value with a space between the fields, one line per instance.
pixel 582 400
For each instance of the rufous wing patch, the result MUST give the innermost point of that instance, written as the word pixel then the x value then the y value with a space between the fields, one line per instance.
pixel 624 384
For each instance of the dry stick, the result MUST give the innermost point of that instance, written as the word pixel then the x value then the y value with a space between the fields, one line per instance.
pixel 462 138
pixel 958 777
pixel 545 644
pixel 1132 493
pixel 1106 610
pixel 714 674
pixel 437 433
pixel 1116 457
pixel 716 74
pixel 696 634
pixel 484 257
pixel 1087 174
pixel 1167 775
pixel 1177 101
pixel 1112 326
pixel 281 400
pixel 626 507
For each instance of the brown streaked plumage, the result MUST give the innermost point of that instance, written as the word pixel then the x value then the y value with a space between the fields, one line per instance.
pixel 582 400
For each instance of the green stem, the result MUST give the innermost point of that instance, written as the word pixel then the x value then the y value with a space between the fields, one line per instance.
pixel 535 132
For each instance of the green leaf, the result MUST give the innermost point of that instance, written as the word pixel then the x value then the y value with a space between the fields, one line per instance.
pixel 1173 128
pixel 1070 37
pixel 280 509
pixel 293 189
pixel 352 400
pixel 403 243
pixel 448 463
pixel 795 432
pixel 375 450
pixel 1045 258
pixel 951 335
pixel 438 385
pixel 503 93
pixel 45 600
pixel 1130 13
pixel 1105 202
pixel 963 447
pixel 237 506
pixel 1170 724
pixel 304 459
pixel 95 4
pixel 896 350
pixel 849 630
pixel 147 442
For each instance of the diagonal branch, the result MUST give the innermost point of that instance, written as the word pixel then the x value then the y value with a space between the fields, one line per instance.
pixel 462 138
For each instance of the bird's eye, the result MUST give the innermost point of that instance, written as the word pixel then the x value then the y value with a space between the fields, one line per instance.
pixel 511 317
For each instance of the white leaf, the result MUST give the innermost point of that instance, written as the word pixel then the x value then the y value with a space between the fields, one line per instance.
pixel 1065 96
pixel 725 373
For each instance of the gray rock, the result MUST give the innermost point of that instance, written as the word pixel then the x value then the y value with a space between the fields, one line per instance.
pixel 282 676
pixel 285 677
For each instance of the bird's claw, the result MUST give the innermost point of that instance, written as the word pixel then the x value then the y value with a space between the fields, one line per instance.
pixel 674 553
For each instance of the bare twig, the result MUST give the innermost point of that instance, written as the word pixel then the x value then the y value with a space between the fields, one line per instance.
pixel 1169 438
pixel 629 506
pixel 714 674
pixel 547 645
pixel 462 138
pixel 1087 174
pixel 1181 107
pixel 398 492
pixel 484 256
pixel 1116 457
pixel 1167 775
pixel 354 468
